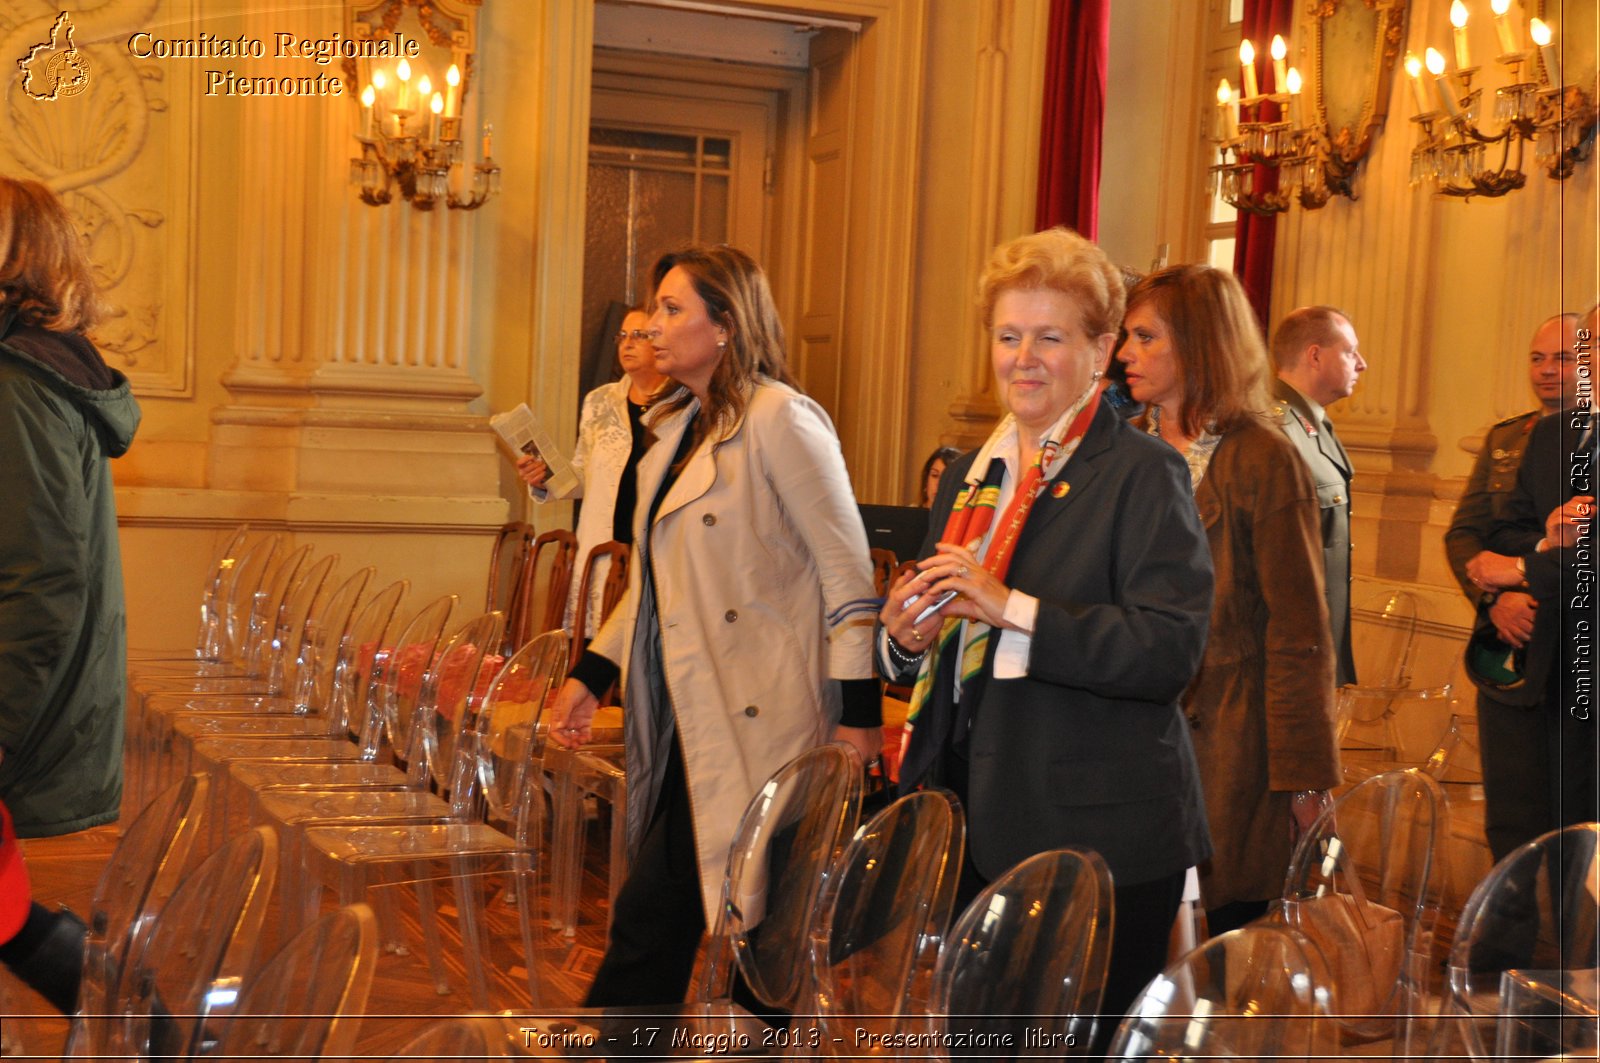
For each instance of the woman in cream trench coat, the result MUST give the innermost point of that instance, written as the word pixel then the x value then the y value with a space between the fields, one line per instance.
pixel 747 544
pixel 742 583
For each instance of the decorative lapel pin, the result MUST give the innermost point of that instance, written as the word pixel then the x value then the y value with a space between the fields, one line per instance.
pixel 1060 489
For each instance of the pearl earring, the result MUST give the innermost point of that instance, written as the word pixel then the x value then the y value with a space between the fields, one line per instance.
pixel 722 345
pixel 1097 374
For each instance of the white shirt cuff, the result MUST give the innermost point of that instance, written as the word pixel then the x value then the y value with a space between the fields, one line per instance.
pixel 1011 656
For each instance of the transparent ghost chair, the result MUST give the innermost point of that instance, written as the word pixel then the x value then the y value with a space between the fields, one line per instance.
pixel 465 1039
pixel 598 770
pixel 210 639
pixel 499 777
pixel 293 590
pixel 452 690
pixel 1364 885
pixel 241 583
pixel 1385 652
pixel 787 842
pixel 1368 721
pixel 1260 992
pixel 276 581
pixel 383 695
pixel 294 697
pixel 1521 977
pixel 186 977
pixel 224 625
pixel 375 698
pixel 1454 763
pixel 306 1002
pixel 393 685
pixel 1025 964
pixel 882 916
pixel 144 870
pixel 788 839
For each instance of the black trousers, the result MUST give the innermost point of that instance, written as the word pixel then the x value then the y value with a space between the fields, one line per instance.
pixel 1538 768
pixel 659 916
pixel 1140 929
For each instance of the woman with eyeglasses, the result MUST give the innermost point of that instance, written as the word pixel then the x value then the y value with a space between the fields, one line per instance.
pixel 611 438
pixel 745 638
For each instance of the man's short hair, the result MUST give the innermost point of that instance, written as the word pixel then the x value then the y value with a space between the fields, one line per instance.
pixel 1301 328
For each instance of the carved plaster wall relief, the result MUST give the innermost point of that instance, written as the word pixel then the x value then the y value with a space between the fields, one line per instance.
pixel 118 147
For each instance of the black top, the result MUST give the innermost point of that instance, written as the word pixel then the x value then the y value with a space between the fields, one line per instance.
pixel 628 485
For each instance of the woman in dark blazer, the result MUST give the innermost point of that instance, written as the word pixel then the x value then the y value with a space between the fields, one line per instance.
pixel 1081 629
pixel 1261 709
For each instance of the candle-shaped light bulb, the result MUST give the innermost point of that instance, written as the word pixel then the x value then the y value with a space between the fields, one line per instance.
pixel 424 87
pixel 1541 35
pixel 369 96
pixel 1458 19
pixel 1280 54
pixel 452 83
pixel 1247 62
pixel 1229 124
pixel 1447 96
pixel 380 80
pixel 1414 68
pixel 1503 27
pixel 437 107
pixel 402 71
pixel 1294 83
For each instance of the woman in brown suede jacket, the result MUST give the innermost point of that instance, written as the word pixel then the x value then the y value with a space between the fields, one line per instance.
pixel 1261 708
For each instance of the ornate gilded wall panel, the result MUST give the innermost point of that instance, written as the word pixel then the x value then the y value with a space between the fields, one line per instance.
pixel 103 128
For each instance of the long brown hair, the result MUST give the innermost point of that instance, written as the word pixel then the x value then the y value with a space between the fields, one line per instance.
pixel 1221 355
pixel 739 300
pixel 45 276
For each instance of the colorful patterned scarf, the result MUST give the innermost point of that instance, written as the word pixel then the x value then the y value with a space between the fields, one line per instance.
pixel 970 518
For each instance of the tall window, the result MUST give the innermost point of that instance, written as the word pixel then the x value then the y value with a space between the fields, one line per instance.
pixel 1222 61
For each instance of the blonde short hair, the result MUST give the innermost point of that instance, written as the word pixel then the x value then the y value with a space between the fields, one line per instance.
pixel 1060 260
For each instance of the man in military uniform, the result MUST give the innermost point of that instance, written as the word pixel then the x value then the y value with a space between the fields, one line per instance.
pixel 1515 794
pixel 1319 360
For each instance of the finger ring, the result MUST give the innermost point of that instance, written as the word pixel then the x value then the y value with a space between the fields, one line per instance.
pixel 962 571
pixel 917 635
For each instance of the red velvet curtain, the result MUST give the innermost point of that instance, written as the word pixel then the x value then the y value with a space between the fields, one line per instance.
pixel 1074 115
pixel 1257 234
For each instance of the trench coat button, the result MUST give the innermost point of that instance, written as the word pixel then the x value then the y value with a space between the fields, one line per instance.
pixel 709 519
pixel 731 615
pixel 1194 721
pixel 751 710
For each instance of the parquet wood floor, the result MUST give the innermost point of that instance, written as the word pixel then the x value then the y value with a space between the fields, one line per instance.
pixel 64 871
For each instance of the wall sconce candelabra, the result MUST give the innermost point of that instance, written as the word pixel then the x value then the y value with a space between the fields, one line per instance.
pixel 411 134
pixel 1453 146
pixel 1268 129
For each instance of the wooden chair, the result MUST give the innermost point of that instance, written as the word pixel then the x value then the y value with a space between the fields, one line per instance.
pixel 885 569
pixel 513 547
pixel 616 582
pixel 546 579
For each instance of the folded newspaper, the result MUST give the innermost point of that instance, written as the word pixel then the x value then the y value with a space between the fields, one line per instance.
pixel 521 431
